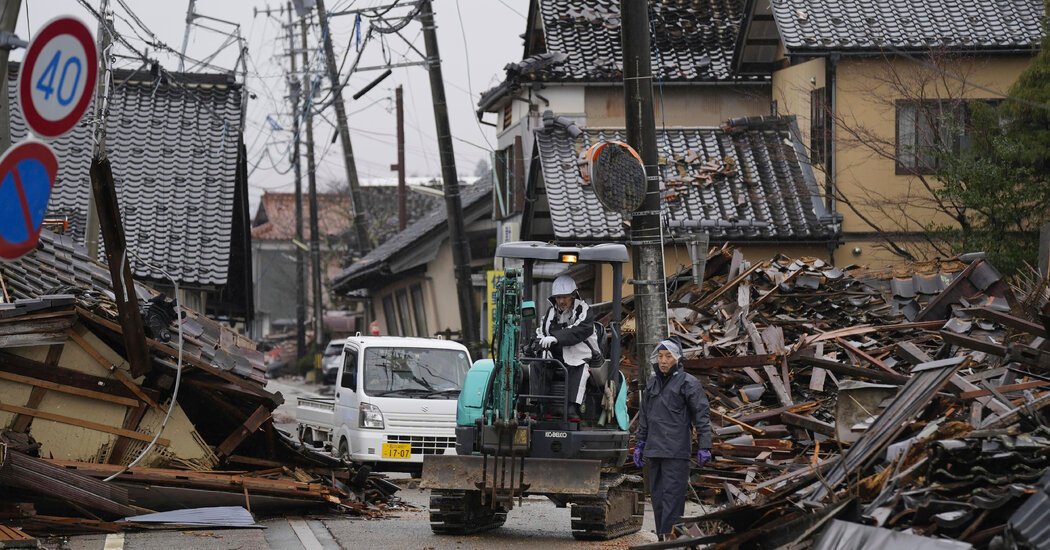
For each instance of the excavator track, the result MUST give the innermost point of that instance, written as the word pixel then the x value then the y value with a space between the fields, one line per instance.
pixel 617 510
pixel 461 513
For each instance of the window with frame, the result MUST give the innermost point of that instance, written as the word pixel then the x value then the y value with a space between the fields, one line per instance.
pixel 391 316
pixel 929 129
pixel 819 130
pixel 404 321
pixel 419 310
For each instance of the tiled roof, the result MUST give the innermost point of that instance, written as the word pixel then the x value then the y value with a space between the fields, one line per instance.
pixel 174 153
pixel 766 181
pixel 908 24
pixel 692 40
pixel 275 217
pixel 474 199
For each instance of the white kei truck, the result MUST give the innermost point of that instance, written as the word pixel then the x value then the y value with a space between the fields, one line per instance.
pixel 394 403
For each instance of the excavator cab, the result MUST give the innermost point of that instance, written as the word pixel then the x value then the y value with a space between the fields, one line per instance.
pixel 514 435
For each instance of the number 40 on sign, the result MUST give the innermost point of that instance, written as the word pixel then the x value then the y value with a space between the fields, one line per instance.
pixel 57 77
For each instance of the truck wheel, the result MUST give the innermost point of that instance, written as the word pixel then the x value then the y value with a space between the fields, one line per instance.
pixel 344 450
pixel 461 512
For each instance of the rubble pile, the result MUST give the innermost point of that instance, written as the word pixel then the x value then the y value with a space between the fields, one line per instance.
pixel 901 406
pixel 85 442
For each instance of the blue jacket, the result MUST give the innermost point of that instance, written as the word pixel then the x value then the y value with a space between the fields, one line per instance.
pixel 671 406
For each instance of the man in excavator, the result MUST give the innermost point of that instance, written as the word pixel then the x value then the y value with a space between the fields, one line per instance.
pixel 567 333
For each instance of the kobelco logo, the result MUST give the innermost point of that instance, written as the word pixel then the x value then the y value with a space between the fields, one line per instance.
pixel 556 435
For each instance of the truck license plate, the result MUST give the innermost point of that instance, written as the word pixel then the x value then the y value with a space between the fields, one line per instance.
pixel 397 450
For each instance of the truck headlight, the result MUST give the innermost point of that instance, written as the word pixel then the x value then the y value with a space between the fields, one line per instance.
pixel 370 417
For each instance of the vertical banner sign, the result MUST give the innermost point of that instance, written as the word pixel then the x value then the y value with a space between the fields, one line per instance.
pixel 57 77
pixel 27 174
pixel 492 280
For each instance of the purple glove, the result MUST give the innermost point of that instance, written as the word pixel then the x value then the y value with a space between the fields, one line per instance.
pixel 703 456
pixel 638 448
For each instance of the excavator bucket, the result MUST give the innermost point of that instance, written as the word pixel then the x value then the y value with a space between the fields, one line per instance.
pixel 541 475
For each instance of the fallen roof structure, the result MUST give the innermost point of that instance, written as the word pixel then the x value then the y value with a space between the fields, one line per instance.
pixel 79 434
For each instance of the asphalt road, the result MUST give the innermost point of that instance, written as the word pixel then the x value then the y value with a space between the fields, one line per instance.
pixel 536 524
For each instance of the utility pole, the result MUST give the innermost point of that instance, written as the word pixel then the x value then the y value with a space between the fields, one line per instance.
pixel 295 90
pixel 104 191
pixel 8 20
pixel 468 313
pixel 364 243
pixel 104 39
pixel 647 254
pixel 311 167
pixel 402 192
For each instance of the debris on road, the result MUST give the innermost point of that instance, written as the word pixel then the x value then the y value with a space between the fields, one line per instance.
pixel 854 403
pixel 84 442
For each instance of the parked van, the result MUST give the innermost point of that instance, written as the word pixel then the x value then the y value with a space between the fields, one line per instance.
pixel 394 402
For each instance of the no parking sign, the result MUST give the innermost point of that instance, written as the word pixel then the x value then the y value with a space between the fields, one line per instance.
pixel 57 78
pixel 27 173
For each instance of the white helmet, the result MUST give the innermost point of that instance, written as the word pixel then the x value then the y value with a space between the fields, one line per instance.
pixel 563 286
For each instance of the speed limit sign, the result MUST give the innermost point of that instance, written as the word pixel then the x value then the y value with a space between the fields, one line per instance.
pixel 57 78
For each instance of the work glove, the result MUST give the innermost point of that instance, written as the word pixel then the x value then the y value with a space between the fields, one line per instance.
pixel 703 456
pixel 547 341
pixel 638 448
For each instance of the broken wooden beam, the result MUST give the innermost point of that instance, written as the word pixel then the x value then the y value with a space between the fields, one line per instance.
pixel 230 444
pixel 87 424
pixel 850 370
pixel 731 362
pixel 808 423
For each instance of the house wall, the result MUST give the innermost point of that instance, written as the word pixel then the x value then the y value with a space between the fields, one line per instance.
pixel 865 99
pixel 791 91
pixel 680 105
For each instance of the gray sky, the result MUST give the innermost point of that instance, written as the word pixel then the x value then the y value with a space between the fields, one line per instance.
pixel 490 30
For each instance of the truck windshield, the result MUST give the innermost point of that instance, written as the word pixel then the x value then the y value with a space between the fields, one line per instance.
pixel 415 372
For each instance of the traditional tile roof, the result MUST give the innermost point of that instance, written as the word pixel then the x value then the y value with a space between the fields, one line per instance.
pixel 476 202
pixel 750 170
pixel 275 217
pixel 174 152
pixel 908 25
pixel 692 40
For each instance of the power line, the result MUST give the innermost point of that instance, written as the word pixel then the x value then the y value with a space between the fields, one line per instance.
pixel 470 87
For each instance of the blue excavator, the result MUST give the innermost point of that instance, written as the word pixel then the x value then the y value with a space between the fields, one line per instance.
pixel 515 434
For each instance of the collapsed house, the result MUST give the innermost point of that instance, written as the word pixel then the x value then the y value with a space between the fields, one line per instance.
pixel 195 431
pixel 857 408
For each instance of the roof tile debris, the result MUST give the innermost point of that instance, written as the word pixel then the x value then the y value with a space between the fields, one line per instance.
pixel 908 25
pixel 174 156
pixel 842 396
pixel 723 178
